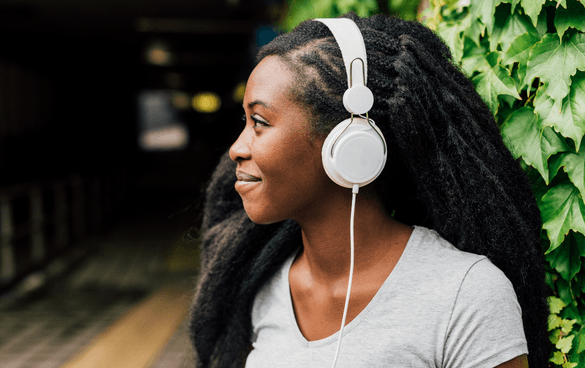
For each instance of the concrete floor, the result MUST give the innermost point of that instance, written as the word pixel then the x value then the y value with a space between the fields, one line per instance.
pixel 58 321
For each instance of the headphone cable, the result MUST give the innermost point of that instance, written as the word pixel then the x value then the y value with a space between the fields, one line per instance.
pixel 354 192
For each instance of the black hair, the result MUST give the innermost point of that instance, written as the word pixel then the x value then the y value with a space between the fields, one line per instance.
pixel 448 169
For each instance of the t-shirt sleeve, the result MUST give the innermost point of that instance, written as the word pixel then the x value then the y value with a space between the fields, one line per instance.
pixel 485 328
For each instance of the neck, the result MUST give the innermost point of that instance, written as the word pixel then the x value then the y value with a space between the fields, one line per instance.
pixel 326 237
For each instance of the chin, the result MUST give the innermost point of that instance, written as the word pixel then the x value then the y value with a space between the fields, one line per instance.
pixel 261 218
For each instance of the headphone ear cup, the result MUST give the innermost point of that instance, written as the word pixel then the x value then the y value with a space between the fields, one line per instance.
pixel 354 153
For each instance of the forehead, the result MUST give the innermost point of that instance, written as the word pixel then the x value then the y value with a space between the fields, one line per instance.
pixel 271 80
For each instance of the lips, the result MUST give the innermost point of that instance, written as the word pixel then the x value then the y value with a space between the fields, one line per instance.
pixel 246 182
pixel 245 177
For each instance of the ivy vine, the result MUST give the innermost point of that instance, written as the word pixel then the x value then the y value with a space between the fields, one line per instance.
pixel 527 61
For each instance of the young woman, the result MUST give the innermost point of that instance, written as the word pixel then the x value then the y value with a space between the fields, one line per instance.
pixel 448 266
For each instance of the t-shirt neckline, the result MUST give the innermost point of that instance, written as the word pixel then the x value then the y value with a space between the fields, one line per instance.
pixel 361 316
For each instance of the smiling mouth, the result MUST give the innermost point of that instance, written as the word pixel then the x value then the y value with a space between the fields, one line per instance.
pixel 242 176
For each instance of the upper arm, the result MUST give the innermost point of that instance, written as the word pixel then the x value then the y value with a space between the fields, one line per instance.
pixel 518 362
pixel 485 328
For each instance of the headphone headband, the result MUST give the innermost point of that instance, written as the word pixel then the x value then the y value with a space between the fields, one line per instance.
pixel 358 99
pixel 351 42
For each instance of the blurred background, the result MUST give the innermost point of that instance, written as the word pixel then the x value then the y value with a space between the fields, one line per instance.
pixel 113 114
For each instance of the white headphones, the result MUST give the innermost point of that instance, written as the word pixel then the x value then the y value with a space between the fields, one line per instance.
pixel 355 151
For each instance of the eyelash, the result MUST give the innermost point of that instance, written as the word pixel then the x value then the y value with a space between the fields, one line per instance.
pixel 257 122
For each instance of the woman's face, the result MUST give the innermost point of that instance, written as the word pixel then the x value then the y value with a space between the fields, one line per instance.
pixel 279 171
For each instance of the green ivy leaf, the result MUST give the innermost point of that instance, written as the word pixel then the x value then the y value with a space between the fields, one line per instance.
pixel 514 26
pixel 567 116
pixel 474 58
pixel 567 325
pixel 474 31
pixel 484 10
pixel 542 25
pixel 557 358
pixel 519 49
pixel 452 34
pixel 532 8
pixel 565 344
pixel 564 290
pixel 572 15
pixel 574 165
pixel 566 259
pixel 495 81
pixel 581 346
pixel 554 321
pixel 555 304
pixel 571 311
pixel 554 336
pixel 555 62
pixel 569 365
pixel 562 210
pixel 526 137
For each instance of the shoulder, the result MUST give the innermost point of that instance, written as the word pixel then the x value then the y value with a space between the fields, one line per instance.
pixel 429 250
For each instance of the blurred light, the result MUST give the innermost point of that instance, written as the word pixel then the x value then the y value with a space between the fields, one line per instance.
pixel 158 54
pixel 206 102
pixel 180 100
pixel 239 91
pixel 165 139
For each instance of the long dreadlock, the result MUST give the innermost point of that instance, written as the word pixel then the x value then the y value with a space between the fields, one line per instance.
pixel 447 169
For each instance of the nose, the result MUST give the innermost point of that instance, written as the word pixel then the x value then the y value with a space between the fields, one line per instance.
pixel 240 150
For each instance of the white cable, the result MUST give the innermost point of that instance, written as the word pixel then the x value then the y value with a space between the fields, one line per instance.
pixel 354 192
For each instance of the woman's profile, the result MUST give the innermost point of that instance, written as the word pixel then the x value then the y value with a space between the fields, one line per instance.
pixel 448 269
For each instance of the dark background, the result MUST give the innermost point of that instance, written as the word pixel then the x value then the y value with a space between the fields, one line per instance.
pixel 70 74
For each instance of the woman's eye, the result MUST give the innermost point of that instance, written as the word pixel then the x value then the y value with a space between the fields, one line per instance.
pixel 258 122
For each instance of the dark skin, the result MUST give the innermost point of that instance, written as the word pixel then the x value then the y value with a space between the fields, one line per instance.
pixel 281 177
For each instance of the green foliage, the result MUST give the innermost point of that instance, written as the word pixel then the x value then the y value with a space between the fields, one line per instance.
pixel 527 61
pixel 300 10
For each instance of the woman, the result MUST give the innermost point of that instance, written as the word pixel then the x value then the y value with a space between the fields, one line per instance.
pixel 275 253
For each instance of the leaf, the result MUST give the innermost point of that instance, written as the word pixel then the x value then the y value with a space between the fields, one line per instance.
pixel 567 116
pixel 554 321
pixel 565 344
pixel 542 26
pixel 555 304
pixel 516 25
pixel 555 62
pixel 566 259
pixel 571 311
pixel 532 8
pixel 519 49
pixel 474 59
pixel 557 358
pixel 523 133
pixel 581 346
pixel 484 10
pixel 555 335
pixel 574 165
pixel 562 210
pixel 451 33
pixel 474 30
pixel 567 325
pixel 494 81
pixel 569 365
pixel 564 291
pixel 570 16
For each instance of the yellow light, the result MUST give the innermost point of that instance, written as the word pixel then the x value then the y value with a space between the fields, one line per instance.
pixel 206 102
pixel 239 92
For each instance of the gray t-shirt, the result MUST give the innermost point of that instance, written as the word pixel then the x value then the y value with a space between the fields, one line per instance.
pixel 439 307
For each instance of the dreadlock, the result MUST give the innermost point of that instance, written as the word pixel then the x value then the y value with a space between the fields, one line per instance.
pixel 447 170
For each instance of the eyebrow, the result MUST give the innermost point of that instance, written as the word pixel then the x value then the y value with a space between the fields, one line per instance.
pixel 258 102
